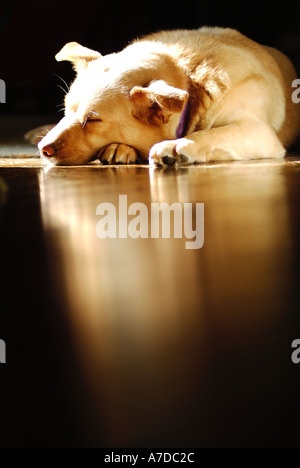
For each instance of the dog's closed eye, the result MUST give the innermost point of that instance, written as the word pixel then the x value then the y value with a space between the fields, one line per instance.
pixel 91 117
pixel 93 120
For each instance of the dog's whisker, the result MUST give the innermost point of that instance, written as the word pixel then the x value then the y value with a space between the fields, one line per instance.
pixel 67 86
pixel 65 92
pixel 44 133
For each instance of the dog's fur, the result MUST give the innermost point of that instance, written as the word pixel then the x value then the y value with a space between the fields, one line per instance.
pixel 130 103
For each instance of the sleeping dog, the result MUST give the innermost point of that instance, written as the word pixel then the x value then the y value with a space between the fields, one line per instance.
pixel 176 97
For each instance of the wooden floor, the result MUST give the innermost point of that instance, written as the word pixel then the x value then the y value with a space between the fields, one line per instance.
pixel 142 342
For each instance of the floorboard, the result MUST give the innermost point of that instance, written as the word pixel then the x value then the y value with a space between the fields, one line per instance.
pixel 124 342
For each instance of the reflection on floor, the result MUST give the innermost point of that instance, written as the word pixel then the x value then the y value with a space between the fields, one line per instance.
pixel 153 344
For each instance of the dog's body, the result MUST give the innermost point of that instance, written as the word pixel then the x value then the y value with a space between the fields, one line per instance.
pixel 179 96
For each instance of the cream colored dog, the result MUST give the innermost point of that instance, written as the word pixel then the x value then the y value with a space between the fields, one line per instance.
pixel 176 97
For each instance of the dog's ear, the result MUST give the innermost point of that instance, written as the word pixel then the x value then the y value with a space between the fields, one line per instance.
pixel 156 103
pixel 78 55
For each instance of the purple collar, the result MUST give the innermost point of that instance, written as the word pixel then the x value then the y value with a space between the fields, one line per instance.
pixel 182 126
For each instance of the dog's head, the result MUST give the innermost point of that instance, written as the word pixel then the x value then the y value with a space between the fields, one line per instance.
pixel 134 97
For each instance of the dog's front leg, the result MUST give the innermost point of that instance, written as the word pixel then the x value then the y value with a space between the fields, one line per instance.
pixel 118 154
pixel 248 139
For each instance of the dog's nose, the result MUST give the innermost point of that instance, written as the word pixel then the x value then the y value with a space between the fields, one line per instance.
pixel 48 151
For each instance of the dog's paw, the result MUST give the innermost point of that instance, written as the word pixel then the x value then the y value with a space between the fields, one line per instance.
pixel 172 153
pixel 118 154
pixel 35 135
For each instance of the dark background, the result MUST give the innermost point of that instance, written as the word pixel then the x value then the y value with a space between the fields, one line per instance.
pixel 31 33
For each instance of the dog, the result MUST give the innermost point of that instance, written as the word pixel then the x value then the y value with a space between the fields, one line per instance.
pixel 176 98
